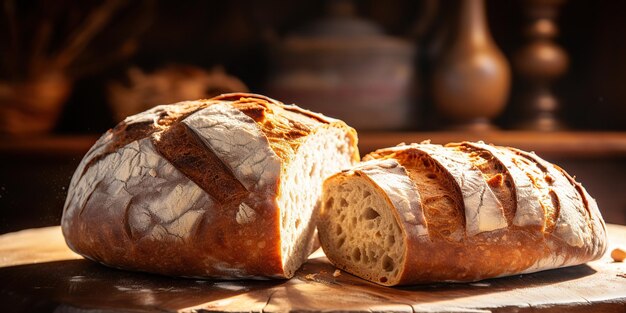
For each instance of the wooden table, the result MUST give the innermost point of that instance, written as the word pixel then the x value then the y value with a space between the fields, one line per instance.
pixel 38 273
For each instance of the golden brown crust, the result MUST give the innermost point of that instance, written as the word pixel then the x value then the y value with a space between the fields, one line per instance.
pixel 496 175
pixel 128 131
pixel 442 201
pixel 182 147
pixel 506 251
pixel 577 218
pixel 285 126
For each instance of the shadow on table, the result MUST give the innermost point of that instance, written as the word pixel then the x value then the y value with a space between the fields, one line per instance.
pixel 315 288
pixel 547 277
pixel 84 286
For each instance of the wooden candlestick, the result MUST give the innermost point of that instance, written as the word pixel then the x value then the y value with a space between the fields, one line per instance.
pixel 472 78
pixel 540 62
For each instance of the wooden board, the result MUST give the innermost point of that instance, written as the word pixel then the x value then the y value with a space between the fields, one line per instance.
pixel 39 273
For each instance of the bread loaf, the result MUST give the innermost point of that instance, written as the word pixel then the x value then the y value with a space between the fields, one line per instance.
pixel 461 212
pixel 222 188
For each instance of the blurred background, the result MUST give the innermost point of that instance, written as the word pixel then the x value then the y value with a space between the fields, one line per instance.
pixel 541 75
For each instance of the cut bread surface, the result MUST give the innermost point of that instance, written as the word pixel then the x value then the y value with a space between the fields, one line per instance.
pixel 301 187
pixel 359 230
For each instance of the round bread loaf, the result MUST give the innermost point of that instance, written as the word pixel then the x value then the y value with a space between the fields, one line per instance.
pixel 461 212
pixel 221 188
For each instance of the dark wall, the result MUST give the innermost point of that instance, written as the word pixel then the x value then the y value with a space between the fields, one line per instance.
pixel 237 34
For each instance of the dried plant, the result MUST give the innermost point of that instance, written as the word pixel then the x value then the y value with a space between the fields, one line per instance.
pixel 69 37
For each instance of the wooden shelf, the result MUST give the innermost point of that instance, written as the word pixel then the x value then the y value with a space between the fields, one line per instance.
pixel 550 144
pixel 571 145
pixel 47 146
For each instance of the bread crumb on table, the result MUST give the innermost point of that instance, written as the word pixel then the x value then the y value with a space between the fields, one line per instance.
pixel 618 254
pixel 310 276
pixel 337 273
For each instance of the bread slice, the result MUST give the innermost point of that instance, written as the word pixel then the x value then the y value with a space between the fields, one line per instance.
pixel 208 188
pixel 461 212
pixel 358 233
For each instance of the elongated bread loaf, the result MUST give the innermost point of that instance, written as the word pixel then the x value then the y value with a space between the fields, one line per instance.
pixel 221 188
pixel 461 212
